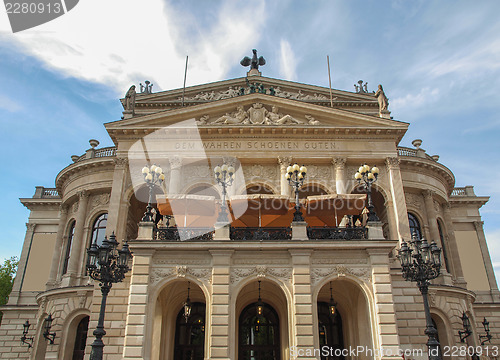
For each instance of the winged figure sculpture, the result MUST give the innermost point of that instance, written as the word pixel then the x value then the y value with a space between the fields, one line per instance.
pixel 254 62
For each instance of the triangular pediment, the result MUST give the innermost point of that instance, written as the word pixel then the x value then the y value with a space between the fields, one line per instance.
pixel 263 112
pixel 365 103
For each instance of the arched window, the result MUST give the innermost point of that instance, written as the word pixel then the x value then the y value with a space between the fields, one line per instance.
pixel 67 253
pixel 414 225
pixel 190 334
pixel 259 189
pixel 99 229
pixel 259 337
pixel 443 246
pixel 81 339
pixel 330 331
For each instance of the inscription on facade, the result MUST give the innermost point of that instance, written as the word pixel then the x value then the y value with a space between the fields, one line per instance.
pixel 256 145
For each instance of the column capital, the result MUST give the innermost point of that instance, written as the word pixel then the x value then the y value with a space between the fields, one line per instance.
pixel 392 163
pixel 64 209
pixel 30 226
pixel 285 160
pixel 175 162
pixel 120 162
pixel 84 194
pixel 428 194
pixel 339 163
pixel 479 225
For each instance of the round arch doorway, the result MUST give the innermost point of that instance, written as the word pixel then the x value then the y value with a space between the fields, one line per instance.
pixel 190 334
pixel 259 337
pixel 331 334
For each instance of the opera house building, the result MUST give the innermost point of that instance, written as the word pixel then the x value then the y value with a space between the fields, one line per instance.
pixel 264 219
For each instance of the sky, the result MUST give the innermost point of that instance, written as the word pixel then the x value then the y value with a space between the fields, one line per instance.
pixel 438 61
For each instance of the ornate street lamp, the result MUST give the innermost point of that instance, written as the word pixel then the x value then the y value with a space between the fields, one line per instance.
pixel 25 339
pixel 466 326
pixel 187 306
pixel 487 337
pixel 259 311
pixel 295 175
pixel 332 305
pixel 225 176
pixel 152 176
pixel 107 265
pixel 367 177
pixel 421 262
pixel 47 334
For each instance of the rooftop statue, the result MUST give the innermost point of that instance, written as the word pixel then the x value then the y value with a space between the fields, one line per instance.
pixel 383 102
pixel 130 98
pixel 254 62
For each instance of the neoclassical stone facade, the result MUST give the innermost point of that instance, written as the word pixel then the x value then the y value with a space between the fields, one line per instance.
pixel 260 131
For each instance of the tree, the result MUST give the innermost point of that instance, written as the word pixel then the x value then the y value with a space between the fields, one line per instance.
pixel 7 273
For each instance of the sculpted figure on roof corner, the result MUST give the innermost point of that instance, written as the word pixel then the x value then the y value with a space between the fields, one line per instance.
pixel 383 101
pixel 130 98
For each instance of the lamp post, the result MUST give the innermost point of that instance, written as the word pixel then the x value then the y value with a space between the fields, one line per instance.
pixel 488 336
pixel 107 265
pixel 225 176
pixel 153 175
pixel 295 175
pixel 187 305
pixel 421 262
pixel 25 339
pixel 367 177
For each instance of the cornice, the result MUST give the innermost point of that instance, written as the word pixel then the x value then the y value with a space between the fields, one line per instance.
pixel 74 168
pixel 32 203
pixel 427 164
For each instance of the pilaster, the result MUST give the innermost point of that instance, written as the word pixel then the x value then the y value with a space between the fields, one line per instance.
pixel 398 196
pixel 486 258
pixel 284 162
pixel 117 211
pixel 175 174
pixel 23 263
pixel 78 240
pixel 302 309
pixel 340 175
pixel 453 247
pixel 135 327
pixel 58 248
pixel 393 230
pixel 388 338
pixel 220 338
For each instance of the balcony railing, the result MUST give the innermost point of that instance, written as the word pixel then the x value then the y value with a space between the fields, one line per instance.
pixel 256 233
pixel 183 234
pixel 335 233
pixel 259 234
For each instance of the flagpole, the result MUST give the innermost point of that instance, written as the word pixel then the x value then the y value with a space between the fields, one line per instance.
pixel 329 80
pixel 185 75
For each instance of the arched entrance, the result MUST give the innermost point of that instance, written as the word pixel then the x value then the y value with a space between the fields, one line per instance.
pixel 190 334
pixel 330 330
pixel 259 334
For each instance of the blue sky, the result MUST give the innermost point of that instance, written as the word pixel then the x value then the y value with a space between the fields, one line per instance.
pixel 439 63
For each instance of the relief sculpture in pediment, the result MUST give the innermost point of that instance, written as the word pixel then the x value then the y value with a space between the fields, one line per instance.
pixel 257 114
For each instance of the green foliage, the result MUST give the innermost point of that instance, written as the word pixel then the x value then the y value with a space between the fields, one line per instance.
pixel 7 272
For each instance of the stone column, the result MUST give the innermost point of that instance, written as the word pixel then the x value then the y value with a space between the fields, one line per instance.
pixel 135 329
pixel 340 175
pixel 302 309
pixel 391 218
pixel 221 339
pixel 175 175
pixel 117 212
pixel 58 247
pixel 454 256
pixel 431 216
pixel 385 311
pixel 284 162
pixel 78 240
pixel 486 257
pixel 23 263
pixel 398 197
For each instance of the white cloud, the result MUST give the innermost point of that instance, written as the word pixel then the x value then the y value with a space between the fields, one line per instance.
pixel 9 104
pixel 410 101
pixel 288 62
pixel 120 42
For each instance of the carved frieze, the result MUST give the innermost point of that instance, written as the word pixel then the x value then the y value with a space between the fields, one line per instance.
pixel 257 114
pixel 319 172
pixel 260 271
pixel 340 270
pixel 99 200
pixel 413 200
pixel 267 172
pixel 180 271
